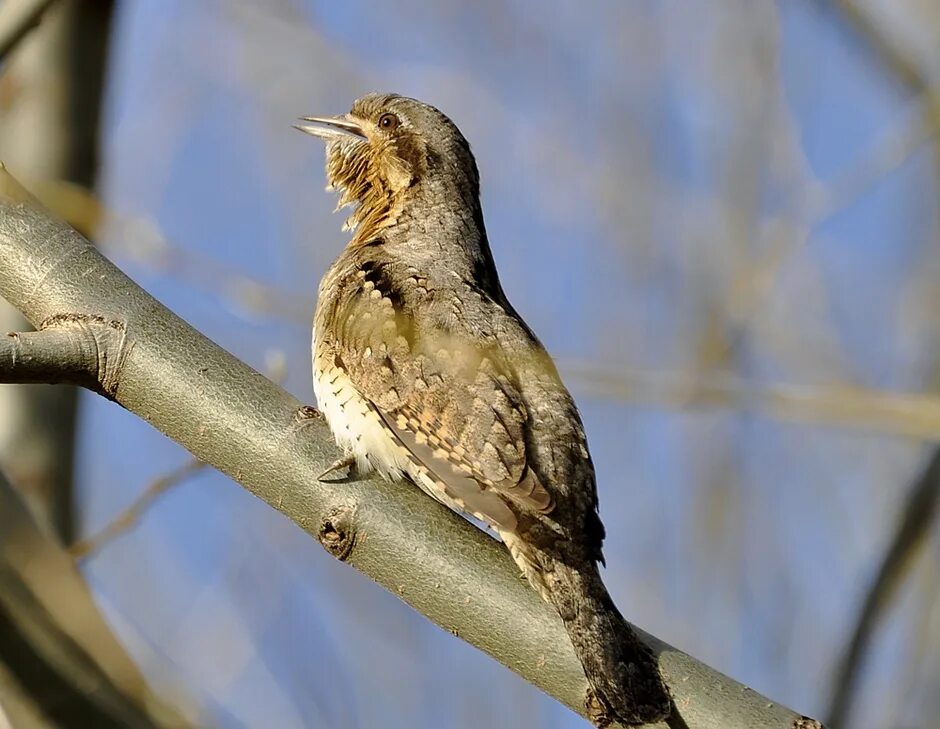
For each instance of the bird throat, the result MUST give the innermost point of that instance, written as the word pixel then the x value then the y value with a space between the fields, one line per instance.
pixel 373 182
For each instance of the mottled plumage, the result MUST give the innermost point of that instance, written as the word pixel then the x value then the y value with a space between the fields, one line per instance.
pixel 423 368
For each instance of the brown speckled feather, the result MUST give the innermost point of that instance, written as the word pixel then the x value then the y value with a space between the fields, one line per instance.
pixel 447 401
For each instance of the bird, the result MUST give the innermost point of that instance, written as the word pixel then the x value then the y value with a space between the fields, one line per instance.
pixel 423 369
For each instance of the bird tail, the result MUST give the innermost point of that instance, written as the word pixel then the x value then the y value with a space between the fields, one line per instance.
pixel 626 685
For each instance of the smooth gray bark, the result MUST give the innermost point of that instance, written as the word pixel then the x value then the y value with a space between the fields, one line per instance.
pixel 236 420
pixel 54 81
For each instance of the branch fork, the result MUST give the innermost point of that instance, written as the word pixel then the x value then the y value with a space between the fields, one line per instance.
pixel 78 349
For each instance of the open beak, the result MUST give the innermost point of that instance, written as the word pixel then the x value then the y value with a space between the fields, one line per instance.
pixel 331 127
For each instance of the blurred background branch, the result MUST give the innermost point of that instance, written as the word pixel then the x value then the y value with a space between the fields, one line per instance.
pixel 908 415
pixel 125 521
pixel 918 515
pixel 60 666
pixel 868 20
pixel 914 523
pixel 51 93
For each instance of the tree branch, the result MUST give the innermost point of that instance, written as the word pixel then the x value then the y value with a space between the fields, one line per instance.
pixel 17 18
pixel 53 84
pixel 231 417
pixel 71 348
pixel 910 535
pixel 126 520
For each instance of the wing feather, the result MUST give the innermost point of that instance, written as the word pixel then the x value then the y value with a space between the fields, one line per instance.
pixel 449 400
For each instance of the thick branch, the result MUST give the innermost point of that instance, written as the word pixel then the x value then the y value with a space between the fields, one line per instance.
pixel 76 349
pixel 236 420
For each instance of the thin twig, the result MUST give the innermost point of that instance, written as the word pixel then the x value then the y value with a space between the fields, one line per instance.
pixel 128 518
pixel 912 530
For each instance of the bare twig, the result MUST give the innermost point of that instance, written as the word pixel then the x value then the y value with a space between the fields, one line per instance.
pixel 910 535
pixel 126 520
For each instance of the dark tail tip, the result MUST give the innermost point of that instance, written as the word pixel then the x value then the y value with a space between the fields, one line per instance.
pixel 625 683
pixel 629 689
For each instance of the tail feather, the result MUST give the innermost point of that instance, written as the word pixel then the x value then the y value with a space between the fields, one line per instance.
pixel 622 671
pixel 624 678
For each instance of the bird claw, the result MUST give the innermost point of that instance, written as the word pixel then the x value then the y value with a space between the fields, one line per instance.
pixel 348 461
pixel 597 712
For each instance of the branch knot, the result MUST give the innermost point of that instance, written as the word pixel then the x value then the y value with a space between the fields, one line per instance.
pixel 337 532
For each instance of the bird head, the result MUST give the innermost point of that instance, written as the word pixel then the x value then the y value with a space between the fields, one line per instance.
pixel 390 150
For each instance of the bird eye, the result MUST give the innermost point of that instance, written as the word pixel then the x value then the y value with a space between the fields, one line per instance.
pixel 388 122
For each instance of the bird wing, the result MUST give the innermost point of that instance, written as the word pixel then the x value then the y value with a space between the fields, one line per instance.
pixel 446 399
pixel 470 434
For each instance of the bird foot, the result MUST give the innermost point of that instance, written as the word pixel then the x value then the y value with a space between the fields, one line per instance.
pixel 348 461
pixel 597 711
